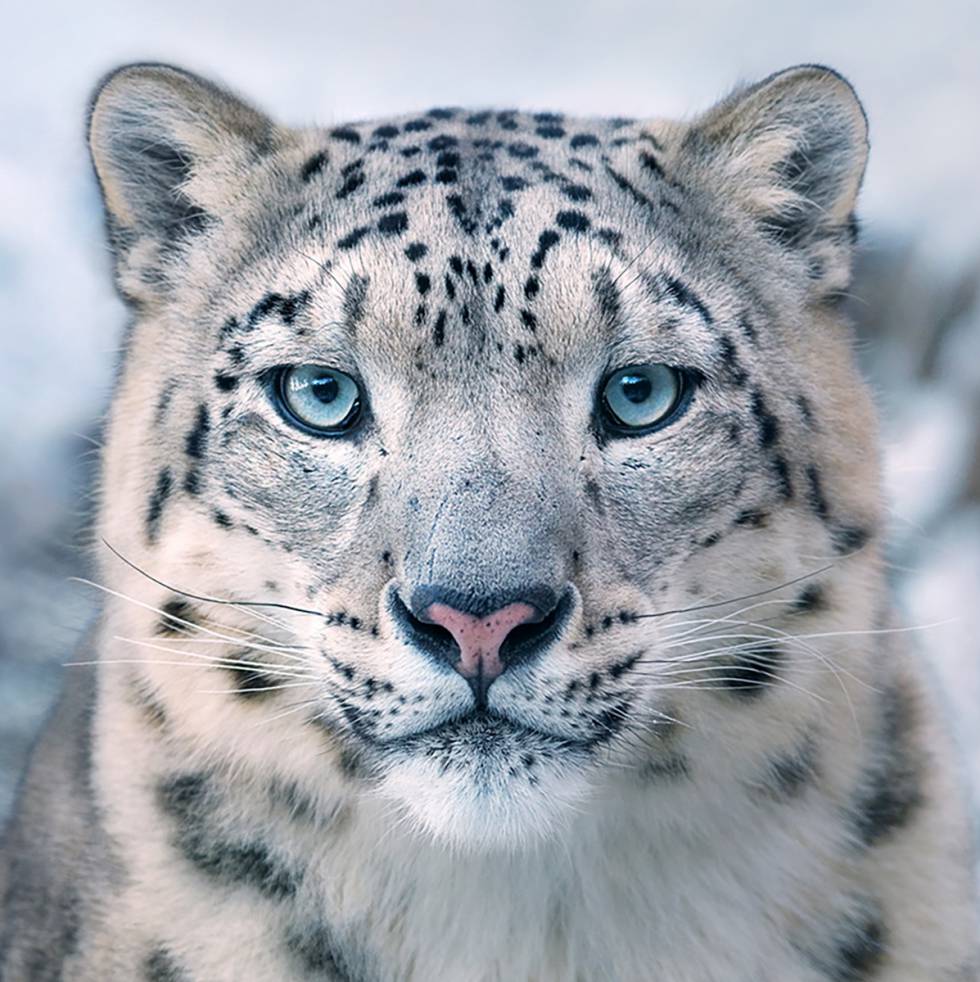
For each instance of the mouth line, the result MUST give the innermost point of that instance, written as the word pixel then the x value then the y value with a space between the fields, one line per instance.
pixel 476 716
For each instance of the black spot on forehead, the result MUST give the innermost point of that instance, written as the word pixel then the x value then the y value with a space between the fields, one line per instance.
pixel 412 179
pixel 546 240
pixel 352 238
pixel 442 142
pixel 522 150
pixel 393 224
pixel 651 164
pixel 314 165
pixel 573 221
pixel 346 134
pixel 577 192
pixel 388 200
pixel 225 383
pixel 284 306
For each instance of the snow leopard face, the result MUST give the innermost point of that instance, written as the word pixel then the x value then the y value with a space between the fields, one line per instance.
pixel 497 417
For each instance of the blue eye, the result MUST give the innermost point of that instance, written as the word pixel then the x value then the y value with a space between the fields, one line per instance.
pixel 639 397
pixel 319 399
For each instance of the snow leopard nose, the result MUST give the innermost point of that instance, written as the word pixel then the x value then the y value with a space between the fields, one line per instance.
pixel 483 641
pixel 479 639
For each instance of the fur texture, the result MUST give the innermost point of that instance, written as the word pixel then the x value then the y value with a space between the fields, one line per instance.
pixel 723 766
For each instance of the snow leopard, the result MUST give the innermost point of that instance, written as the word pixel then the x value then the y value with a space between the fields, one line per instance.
pixel 490 538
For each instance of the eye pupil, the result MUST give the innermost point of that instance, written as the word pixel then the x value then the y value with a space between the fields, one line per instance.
pixel 636 388
pixel 325 388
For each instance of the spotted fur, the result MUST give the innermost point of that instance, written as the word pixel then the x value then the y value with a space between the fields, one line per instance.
pixel 720 765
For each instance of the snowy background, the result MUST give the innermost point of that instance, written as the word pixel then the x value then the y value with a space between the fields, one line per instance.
pixel 917 67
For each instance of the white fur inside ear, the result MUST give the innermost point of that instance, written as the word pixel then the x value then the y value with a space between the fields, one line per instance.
pixel 795 145
pixel 165 143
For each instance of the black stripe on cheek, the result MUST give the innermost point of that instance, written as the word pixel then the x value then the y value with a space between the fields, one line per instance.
pixel 891 792
pixel 173 614
pixel 752 672
pixel 154 509
pixel 849 538
pixel 856 950
pixel 670 768
pixel 323 954
pixel 192 803
pixel 815 493
pixel 768 424
pixel 812 599
pixel 251 684
pixel 788 775
pixel 160 966
pixel 147 702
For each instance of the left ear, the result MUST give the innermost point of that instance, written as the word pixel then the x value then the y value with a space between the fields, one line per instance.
pixel 791 150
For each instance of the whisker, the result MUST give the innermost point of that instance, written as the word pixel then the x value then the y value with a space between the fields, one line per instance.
pixel 745 596
pixel 205 599
pixel 172 617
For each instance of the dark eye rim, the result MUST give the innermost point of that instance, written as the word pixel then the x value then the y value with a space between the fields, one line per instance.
pixel 275 380
pixel 610 423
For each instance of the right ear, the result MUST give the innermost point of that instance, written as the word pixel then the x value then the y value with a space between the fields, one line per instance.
pixel 168 149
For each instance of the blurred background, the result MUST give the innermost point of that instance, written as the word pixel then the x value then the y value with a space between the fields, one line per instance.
pixel 916 298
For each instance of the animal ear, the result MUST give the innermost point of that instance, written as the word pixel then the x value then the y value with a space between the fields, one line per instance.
pixel 167 147
pixel 792 151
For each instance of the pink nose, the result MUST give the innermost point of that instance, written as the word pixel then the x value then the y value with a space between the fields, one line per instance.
pixel 479 638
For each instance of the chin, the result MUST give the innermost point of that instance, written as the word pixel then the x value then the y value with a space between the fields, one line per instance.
pixel 485 785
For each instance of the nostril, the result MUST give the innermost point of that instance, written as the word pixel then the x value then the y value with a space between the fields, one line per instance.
pixel 527 640
pixel 423 634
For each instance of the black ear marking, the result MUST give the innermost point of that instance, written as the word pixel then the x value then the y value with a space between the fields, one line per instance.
pixel 792 151
pixel 152 129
